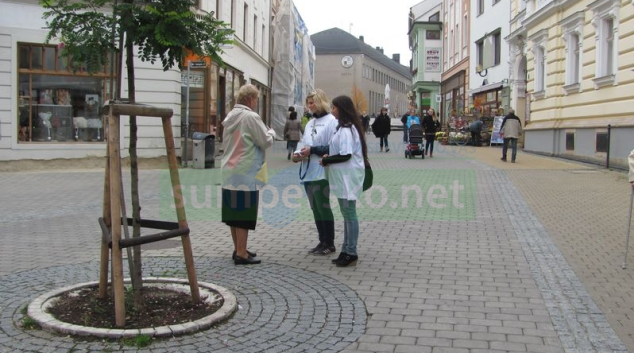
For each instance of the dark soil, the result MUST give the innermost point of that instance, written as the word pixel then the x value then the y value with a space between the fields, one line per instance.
pixel 162 307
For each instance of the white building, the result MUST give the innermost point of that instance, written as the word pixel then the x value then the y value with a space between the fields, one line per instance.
pixel 50 112
pixel 488 79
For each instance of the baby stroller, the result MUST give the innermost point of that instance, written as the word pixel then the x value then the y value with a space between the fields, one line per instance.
pixel 415 143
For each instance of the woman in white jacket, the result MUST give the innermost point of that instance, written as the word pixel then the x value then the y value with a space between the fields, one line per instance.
pixel 245 139
pixel 317 135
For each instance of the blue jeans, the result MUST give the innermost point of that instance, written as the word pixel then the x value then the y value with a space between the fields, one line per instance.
pixel 350 226
pixel 505 147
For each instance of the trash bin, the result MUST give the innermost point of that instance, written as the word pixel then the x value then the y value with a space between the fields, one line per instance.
pixel 203 151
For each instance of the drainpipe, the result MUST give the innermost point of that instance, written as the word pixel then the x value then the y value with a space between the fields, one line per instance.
pixel 607 157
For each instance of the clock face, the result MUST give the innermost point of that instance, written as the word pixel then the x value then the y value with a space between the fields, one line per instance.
pixel 347 61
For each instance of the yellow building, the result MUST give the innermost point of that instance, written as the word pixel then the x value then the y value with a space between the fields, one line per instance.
pixel 571 77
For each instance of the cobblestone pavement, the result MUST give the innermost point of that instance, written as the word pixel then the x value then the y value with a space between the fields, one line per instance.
pixel 526 259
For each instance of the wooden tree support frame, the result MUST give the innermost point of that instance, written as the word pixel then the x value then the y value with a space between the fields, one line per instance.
pixel 111 222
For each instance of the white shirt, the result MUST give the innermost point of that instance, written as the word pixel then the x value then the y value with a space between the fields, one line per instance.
pixel 317 132
pixel 346 178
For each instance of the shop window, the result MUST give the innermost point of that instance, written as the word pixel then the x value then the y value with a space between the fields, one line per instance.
pixel 602 142
pixel 55 104
pixel 570 141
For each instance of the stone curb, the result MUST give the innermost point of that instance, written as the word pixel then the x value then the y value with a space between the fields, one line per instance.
pixel 37 310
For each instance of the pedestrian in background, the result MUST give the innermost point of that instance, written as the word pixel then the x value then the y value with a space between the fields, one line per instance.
pixel 244 172
pixel 431 125
pixel 412 119
pixel 381 127
pixel 365 119
pixel 292 133
pixel 345 167
pixel 510 131
pixel 476 129
pixel 404 122
pixel 306 117
pixel 318 133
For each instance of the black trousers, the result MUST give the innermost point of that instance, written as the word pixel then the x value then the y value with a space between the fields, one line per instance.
pixel 475 138
pixel 318 193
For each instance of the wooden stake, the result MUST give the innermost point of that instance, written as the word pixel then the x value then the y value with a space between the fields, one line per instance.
pixel 180 207
pixel 115 213
pixel 105 252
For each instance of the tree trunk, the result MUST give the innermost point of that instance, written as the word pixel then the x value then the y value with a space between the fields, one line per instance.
pixel 137 272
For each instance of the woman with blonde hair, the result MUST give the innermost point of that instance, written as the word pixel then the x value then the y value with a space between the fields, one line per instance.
pixel 244 172
pixel 316 138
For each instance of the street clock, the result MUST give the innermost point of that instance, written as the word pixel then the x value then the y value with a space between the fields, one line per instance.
pixel 347 61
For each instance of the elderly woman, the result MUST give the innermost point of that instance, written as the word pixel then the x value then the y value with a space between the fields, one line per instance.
pixel 244 171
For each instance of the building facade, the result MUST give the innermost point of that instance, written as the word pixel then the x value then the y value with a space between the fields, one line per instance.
pixel 579 69
pixel 47 111
pixel 425 38
pixel 455 76
pixel 346 65
pixel 489 90
pixel 293 58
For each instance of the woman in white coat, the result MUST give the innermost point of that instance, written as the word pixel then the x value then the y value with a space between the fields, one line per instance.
pixel 245 139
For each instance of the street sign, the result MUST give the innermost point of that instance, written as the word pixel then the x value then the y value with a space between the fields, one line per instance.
pixel 197 64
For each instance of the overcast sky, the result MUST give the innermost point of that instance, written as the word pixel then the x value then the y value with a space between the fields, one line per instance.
pixel 382 23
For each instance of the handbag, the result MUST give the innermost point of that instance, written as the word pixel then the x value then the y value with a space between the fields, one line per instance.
pixel 369 176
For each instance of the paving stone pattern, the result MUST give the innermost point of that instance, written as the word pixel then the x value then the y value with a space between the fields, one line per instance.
pixel 281 309
pixel 494 279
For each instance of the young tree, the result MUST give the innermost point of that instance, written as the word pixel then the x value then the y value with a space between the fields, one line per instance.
pixel 360 103
pixel 160 30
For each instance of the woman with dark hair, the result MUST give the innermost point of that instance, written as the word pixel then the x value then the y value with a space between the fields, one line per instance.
pixel 431 126
pixel 382 128
pixel 345 167
pixel 292 134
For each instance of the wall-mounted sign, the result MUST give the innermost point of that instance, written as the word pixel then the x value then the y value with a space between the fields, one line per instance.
pixel 197 64
pixel 196 79
pixel 432 59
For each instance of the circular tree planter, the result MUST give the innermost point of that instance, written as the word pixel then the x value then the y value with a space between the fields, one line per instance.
pixel 37 310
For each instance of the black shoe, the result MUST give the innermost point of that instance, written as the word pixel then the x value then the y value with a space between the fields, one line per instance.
pixel 242 261
pixel 316 249
pixel 512 161
pixel 503 159
pixel 348 260
pixel 326 250
pixel 251 254
pixel 341 256
pixel 387 149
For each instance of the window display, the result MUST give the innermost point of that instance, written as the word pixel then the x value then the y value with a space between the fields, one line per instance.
pixel 55 104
